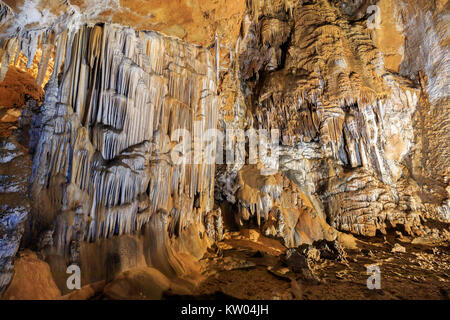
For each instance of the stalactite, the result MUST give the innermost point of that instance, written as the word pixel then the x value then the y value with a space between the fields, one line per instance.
pixel 7 55
pixel 108 125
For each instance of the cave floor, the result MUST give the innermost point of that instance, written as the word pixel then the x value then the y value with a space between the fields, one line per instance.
pixel 248 266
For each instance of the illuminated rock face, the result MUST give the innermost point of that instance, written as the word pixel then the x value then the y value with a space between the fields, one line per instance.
pixel 103 164
pixel 195 21
pixel 355 107
pixel 345 121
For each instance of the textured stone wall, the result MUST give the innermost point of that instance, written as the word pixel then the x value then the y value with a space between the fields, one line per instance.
pixel 360 104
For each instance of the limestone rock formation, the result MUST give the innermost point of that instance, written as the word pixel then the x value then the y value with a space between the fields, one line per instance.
pixel 165 126
pixel 32 281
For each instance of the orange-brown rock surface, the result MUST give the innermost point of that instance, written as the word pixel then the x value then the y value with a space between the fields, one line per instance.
pixel 32 280
pixel 357 92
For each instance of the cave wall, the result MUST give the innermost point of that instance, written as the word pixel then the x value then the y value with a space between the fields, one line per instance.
pixel 361 109
pixel 345 119
pixel 110 120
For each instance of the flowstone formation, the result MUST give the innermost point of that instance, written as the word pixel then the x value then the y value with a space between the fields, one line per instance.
pixel 103 162
pixel 157 135
pixel 105 134
pixel 345 121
